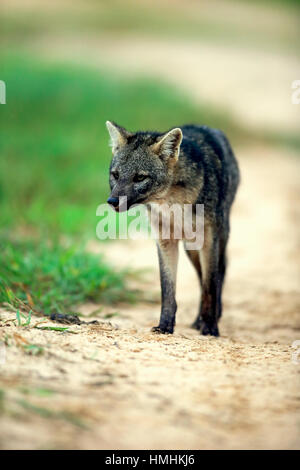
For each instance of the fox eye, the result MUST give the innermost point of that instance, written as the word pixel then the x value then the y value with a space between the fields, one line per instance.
pixel 115 174
pixel 138 178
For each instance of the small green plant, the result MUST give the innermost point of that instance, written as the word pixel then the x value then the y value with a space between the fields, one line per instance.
pixel 48 413
pixel 55 328
pixel 38 391
pixel 33 349
pixel 27 318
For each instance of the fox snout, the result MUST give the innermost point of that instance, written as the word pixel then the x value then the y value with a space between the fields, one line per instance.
pixel 119 203
pixel 113 201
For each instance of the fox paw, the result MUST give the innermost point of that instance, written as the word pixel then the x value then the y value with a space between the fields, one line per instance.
pixel 207 329
pixel 197 325
pixel 165 330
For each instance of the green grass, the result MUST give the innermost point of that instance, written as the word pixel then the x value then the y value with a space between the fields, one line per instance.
pixel 27 318
pixel 46 278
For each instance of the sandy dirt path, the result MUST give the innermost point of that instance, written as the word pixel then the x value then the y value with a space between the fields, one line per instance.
pixel 117 385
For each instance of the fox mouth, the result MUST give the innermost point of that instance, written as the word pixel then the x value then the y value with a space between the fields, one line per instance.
pixel 125 207
pixel 140 200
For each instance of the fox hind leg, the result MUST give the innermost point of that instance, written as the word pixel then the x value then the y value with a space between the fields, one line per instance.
pixel 194 256
pixel 222 270
pixel 212 280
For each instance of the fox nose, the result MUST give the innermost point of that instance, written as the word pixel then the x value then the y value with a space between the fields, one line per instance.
pixel 114 201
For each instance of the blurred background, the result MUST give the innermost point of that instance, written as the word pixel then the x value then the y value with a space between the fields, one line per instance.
pixel 70 65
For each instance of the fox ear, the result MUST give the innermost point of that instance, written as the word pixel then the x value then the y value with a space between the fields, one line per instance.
pixel 118 135
pixel 169 144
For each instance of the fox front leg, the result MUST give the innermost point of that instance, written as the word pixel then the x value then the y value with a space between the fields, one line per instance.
pixel 168 258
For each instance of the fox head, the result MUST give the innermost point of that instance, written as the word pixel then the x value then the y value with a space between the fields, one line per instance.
pixel 142 166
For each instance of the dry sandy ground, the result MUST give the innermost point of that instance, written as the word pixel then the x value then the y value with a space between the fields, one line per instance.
pixel 117 385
